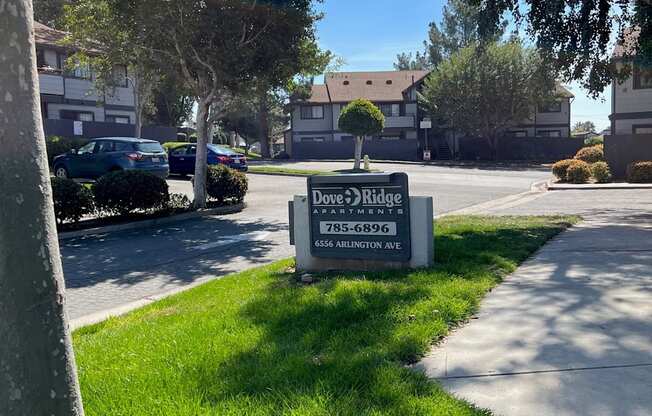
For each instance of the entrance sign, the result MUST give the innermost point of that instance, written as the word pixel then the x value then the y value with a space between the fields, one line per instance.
pixel 364 217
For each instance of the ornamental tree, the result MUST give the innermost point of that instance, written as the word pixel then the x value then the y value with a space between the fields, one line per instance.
pixel 361 118
pixel 483 91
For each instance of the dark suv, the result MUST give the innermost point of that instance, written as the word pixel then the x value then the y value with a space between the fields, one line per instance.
pixel 108 154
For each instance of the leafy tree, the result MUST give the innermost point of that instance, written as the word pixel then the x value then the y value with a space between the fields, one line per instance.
pixel 405 62
pixel 50 12
pixel 576 35
pixel 483 91
pixel 361 118
pixel 171 104
pixel 584 126
pixel 458 29
pixel 109 48
pixel 218 47
pixel 37 364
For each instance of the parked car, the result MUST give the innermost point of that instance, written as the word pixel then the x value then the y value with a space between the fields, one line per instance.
pixel 108 154
pixel 182 158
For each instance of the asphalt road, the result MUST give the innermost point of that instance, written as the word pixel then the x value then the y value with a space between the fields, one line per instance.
pixel 105 272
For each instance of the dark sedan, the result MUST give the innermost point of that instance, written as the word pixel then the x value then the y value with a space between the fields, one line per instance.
pixel 182 158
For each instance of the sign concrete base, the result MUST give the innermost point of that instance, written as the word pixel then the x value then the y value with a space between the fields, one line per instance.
pixel 421 230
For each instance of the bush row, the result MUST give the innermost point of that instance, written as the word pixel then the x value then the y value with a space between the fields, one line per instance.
pixel 132 191
pixel 579 171
pixel 639 172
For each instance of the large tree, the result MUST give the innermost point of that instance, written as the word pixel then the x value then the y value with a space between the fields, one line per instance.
pixel 171 103
pixel 50 12
pixel 483 91
pixel 584 127
pixel 458 29
pixel 218 47
pixel 111 50
pixel 578 35
pixel 37 365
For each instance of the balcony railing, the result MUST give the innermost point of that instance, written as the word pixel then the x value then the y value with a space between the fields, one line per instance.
pixel 400 122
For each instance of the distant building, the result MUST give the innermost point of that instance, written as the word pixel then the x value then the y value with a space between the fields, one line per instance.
pixel 70 103
pixel 631 100
pixel 314 132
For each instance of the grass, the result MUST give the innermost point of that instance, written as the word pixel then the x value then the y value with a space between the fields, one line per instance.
pixel 260 343
pixel 302 172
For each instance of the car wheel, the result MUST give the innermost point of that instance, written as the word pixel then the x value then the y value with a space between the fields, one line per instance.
pixel 61 172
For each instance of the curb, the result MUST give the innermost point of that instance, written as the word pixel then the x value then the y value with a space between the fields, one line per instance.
pixel 230 209
pixel 293 175
pixel 441 163
pixel 597 187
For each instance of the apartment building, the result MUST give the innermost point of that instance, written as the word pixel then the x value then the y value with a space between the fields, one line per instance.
pixel 631 99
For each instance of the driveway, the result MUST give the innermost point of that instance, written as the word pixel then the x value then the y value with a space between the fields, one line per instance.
pixel 116 270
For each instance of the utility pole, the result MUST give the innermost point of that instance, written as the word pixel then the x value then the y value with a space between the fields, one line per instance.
pixel 37 365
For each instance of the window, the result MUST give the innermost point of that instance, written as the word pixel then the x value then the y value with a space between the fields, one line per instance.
pixel 518 133
pixel 40 59
pixel 118 119
pixel 642 78
pixel 120 76
pixel 385 138
pixel 551 107
pixel 390 110
pixel 86 149
pixel 151 147
pixel 104 146
pixel 313 139
pixel 549 133
pixel 647 129
pixel 179 151
pixel 77 115
pixel 123 146
pixel 312 112
pixel 79 70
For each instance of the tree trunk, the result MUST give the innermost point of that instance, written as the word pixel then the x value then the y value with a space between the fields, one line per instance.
pixel 264 127
pixel 358 152
pixel 37 365
pixel 201 158
pixel 210 126
pixel 138 105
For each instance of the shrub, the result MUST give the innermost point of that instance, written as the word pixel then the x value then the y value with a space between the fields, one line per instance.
pixel 591 154
pixel 594 141
pixel 57 145
pixel 123 192
pixel 178 203
pixel 601 172
pixel 559 169
pixel 71 200
pixel 224 184
pixel 639 172
pixel 578 172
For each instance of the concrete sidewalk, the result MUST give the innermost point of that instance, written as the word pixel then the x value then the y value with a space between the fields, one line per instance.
pixel 570 333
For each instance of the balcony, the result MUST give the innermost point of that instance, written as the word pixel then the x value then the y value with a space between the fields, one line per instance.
pixel 50 82
pixel 400 122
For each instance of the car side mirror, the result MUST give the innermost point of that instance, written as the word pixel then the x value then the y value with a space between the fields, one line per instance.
pixel 73 151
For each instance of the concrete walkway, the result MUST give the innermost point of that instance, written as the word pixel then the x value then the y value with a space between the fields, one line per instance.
pixel 570 333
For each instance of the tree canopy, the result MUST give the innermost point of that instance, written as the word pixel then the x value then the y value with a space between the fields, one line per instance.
pixel 577 35
pixel 584 127
pixel 483 91
pixel 361 118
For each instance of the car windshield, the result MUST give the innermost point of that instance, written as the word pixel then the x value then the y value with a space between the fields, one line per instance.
pixel 150 147
pixel 223 151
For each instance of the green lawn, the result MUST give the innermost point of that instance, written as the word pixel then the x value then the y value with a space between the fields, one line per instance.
pixel 302 172
pixel 260 343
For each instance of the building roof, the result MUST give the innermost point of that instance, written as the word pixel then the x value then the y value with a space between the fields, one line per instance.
pixel 562 91
pixel 375 86
pixel 53 38
pixel 629 43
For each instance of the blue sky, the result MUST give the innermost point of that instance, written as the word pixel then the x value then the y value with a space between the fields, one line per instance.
pixel 368 34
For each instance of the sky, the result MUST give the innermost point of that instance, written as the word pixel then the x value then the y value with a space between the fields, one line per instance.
pixel 368 34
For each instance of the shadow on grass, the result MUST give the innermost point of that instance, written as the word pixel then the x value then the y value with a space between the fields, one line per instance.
pixel 340 345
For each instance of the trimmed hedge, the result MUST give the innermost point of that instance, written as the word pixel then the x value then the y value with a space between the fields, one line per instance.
pixel 591 154
pixel 57 145
pixel 71 200
pixel 601 172
pixel 578 172
pixel 225 184
pixel 124 192
pixel 560 168
pixel 639 172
